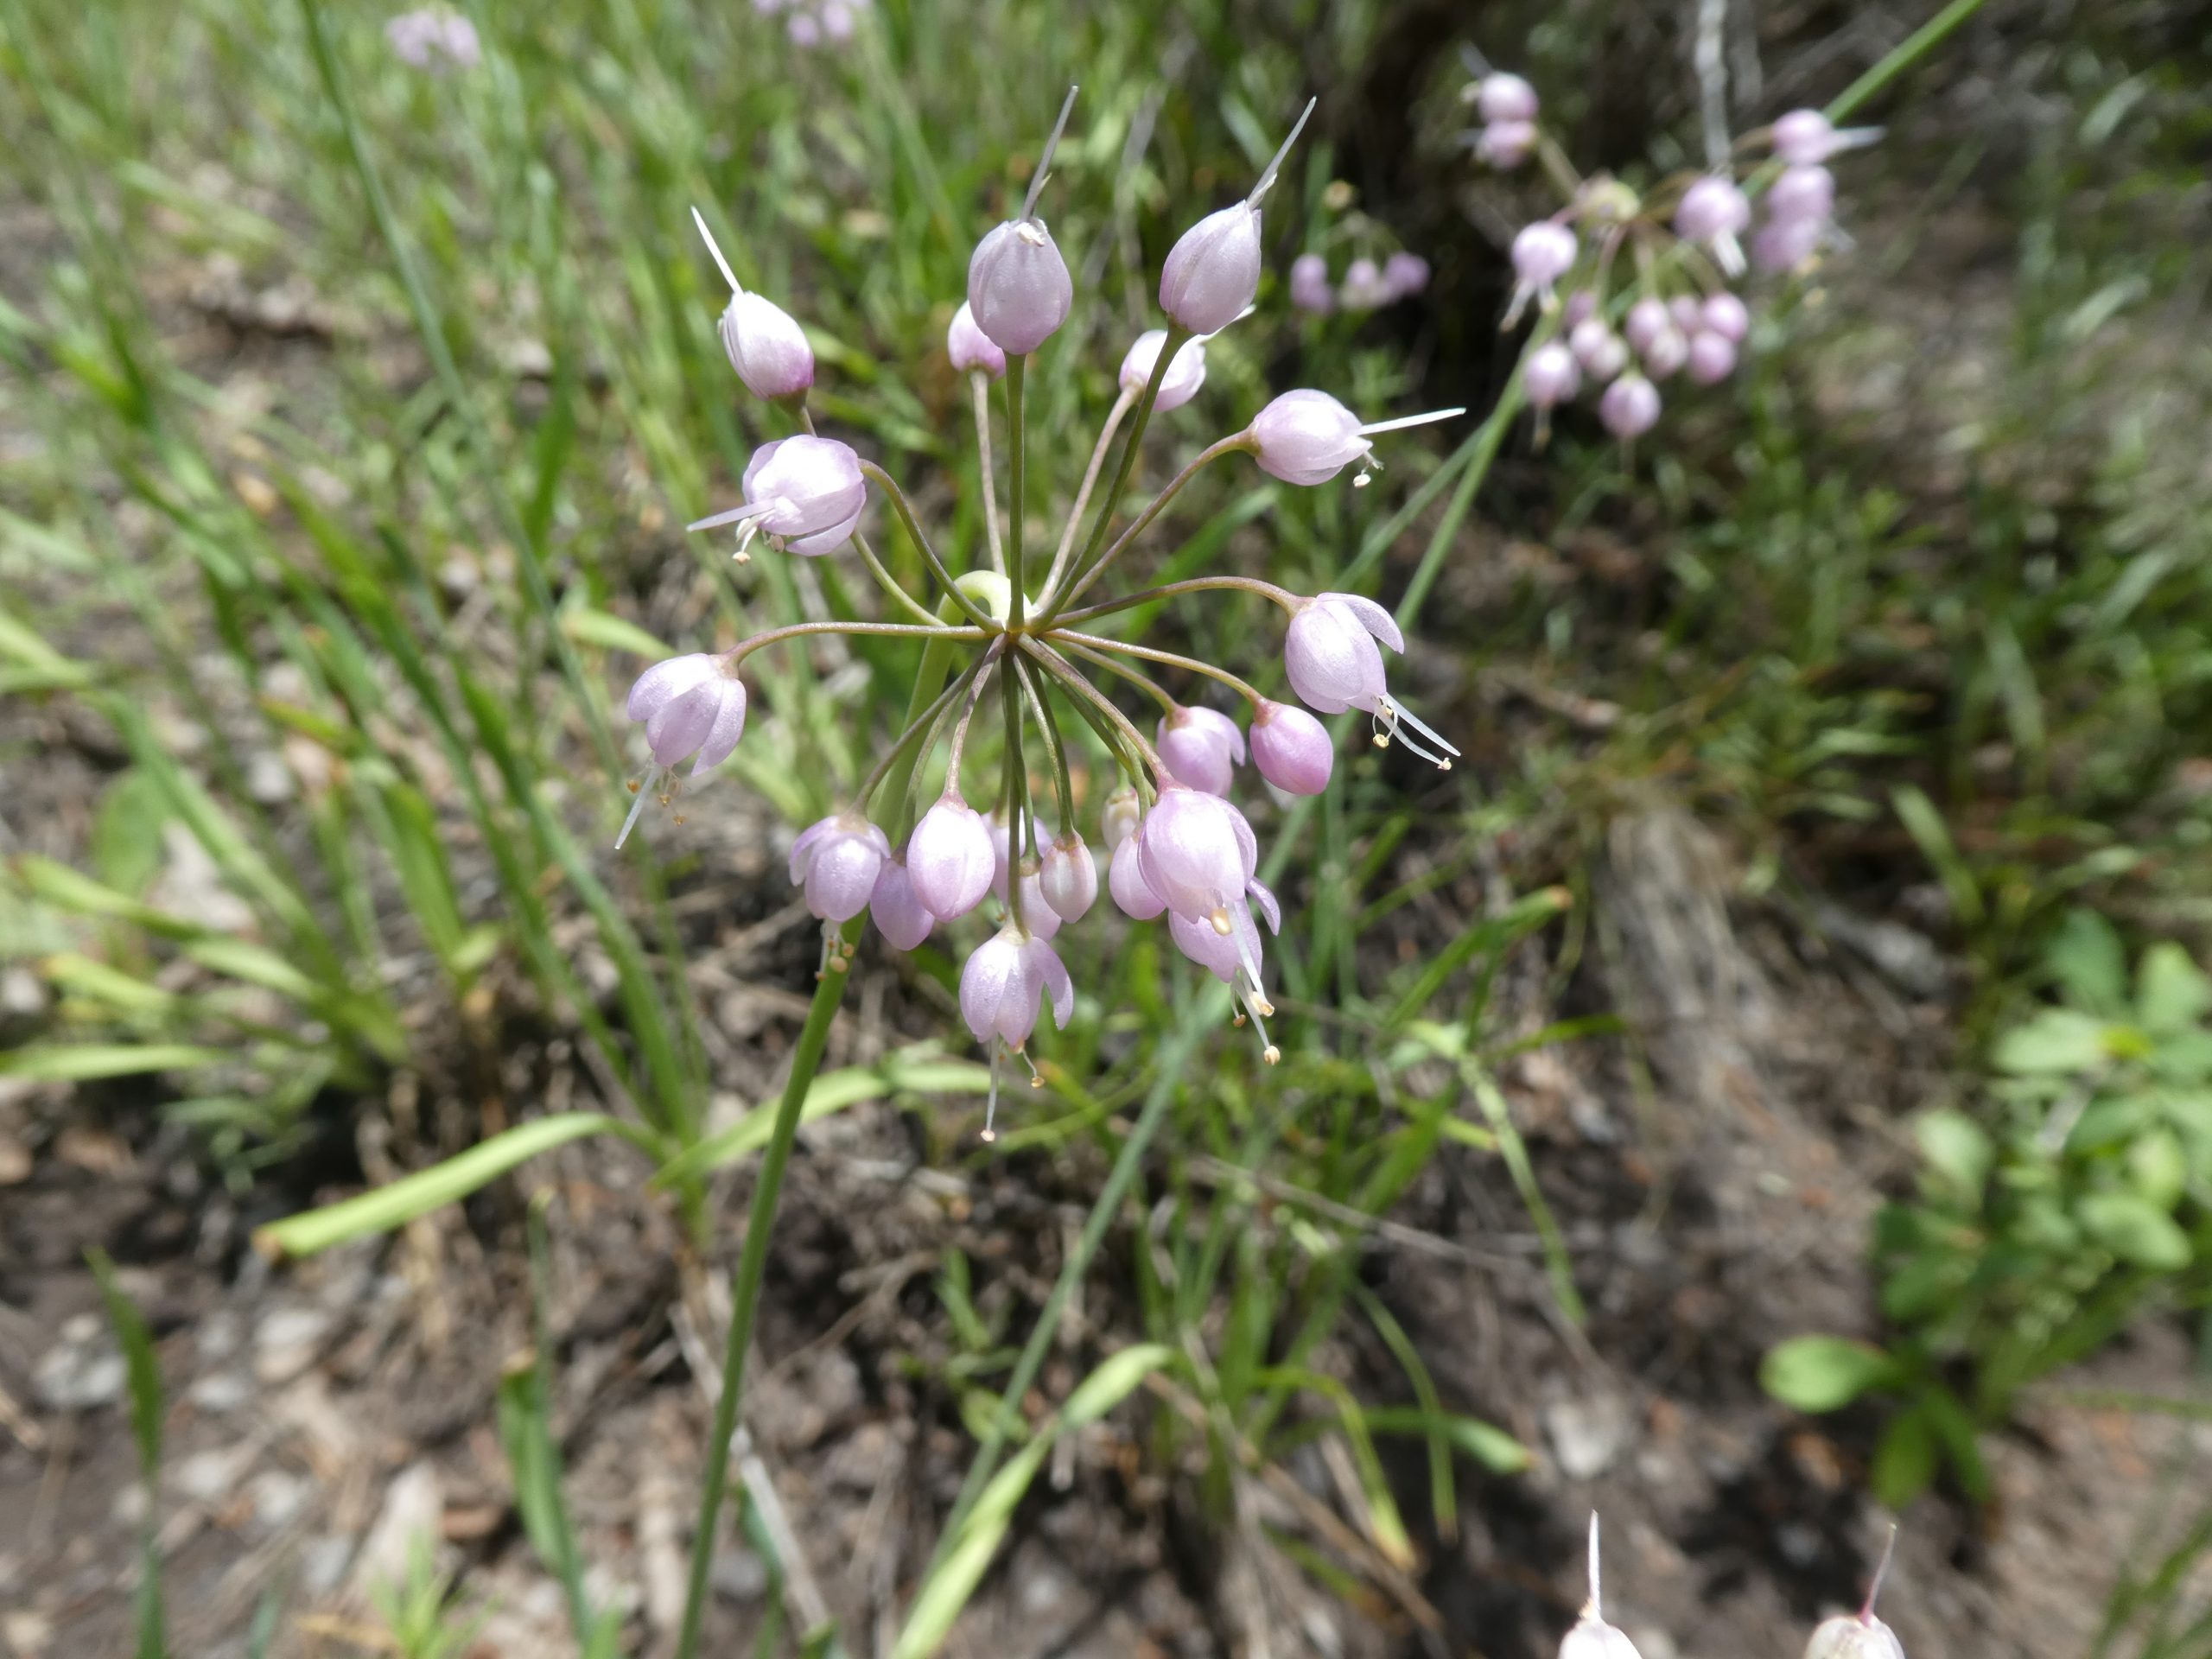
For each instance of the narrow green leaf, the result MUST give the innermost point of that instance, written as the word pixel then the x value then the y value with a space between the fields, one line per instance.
pixel 588 626
pixel 89 1062
pixel 1486 1443
pixel 1925 825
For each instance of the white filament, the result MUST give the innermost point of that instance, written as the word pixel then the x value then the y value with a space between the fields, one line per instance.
pixel 1405 421
pixel 735 286
pixel 1268 178
pixel 1044 162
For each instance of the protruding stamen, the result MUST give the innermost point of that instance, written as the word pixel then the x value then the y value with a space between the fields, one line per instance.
pixel 729 276
pixel 1405 421
pixel 1268 178
pixel 1595 1609
pixel 716 520
pixel 1221 924
pixel 991 1110
pixel 1417 733
pixel 637 805
pixel 1044 162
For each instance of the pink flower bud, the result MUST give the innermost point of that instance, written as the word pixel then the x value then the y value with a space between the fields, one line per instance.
pixel 1069 879
pixel 692 704
pixel 1602 353
pixel 897 909
pixel 1552 376
pixel 1710 209
pixel 1727 317
pixel 1591 1637
pixel 1309 285
pixel 1308 438
pixel 1186 369
pixel 1712 358
pixel 1330 653
pixel 837 860
pixel 1542 253
pixel 1119 818
pixel 1196 852
pixel 1002 981
pixel 1806 137
pixel 1501 96
pixel 1506 144
pixel 1213 269
pixel 1019 289
pixel 1291 748
pixel 1133 894
pixel 1687 314
pixel 805 494
pixel 1787 244
pixel 1629 407
pixel 1362 289
pixel 1577 308
pixel 1405 274
pixel 970 348
pixel 1803 193
pixel 1202 747
pixel 1666 352
pixel 1029 890
pixel 1647 319
pixel 1853 1636
pixel 767 347
pixel 949 858
pixel 1001 851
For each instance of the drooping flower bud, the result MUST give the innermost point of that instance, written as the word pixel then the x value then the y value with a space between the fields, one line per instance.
pixel 1727 317
pixel 1552 375
pixel 1647 319
pixel 1591 1637
pixel 1802 194
pixel 1118 818
pixel 1308 438
pixel 1309 285
pixel 949 858
pixel 1069 879
pixel 838 859
pixel 970 348
pixel 1666 352
pixel 897 909
pixel 1506 144
pixel 1542 253
pixel 1501 97
pixel 1291 748
pixel 1806 137
pixel 1712 214
pixel 1027 888
pixel 1629 407
pixel 1133 894
pixel 1019 289
pixel 1712 358
pixel 805 494
pixel 1202 747
pixel 1405 274
pixel 1364 289
pixel 690 705
pixel 1602 353
pixel 1196 852
pixel 1787 244
pixel 1002 981
pixel 764 345
pixel 1330 657
pixel 1213 269
pixel 1186 369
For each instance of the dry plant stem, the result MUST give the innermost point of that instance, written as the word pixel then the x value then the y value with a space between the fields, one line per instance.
pixel 980 385
pixel 1166 658
pixel 1212 452
pixel 1267 590
pixel 1122 404
pixel 900 505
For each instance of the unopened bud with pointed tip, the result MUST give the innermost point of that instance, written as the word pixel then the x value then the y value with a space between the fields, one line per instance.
pixel 1213 269
pixel 970 348
pixel 1019 289
pixel 1591 1637
pixel 1860 1635
pixel 1308 438
pixel 1069 879
pixel 1186 369
pixel 766 346
pixel 1291 748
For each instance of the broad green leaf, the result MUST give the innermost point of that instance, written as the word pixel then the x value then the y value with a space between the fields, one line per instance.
pixel 2172 993
pixel 1816 1374
pixel 2159 1167
pixel 588 626
pixel 127 832
pixel 2135 1231
pixel 1957 1149
pixel 89 1062
pixel 2086 957
pixel 1904 1460
pixel 830 1093
pixel 387 1207
pixel 2056 1040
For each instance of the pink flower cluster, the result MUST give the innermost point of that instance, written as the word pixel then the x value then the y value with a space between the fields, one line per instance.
pixel 1367 286
pixel 1173 843
pixel 1677 312
pixel 810 22
pixel 433 38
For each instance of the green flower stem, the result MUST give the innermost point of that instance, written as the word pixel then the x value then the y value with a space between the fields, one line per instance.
pixel 1178 337
pixel 1017 374
pixel 1166 658
pixel 1206 457
pixel 1266 590
pixel 980 383
pixel 905 509
pixel 1048 728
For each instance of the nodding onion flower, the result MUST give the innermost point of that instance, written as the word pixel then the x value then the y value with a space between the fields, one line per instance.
pixel 1662 268
pixel 1014 638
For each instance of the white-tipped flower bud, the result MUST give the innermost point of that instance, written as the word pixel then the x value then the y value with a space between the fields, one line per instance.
pixel 1213 269
pixel 1629 407
pixel 1501 97
pixel 1860 1635
pixel 1186 369
pixel 970 348
pixel 1591 1637
pixel 1019 289
pixel 764 345
pixel 1552 375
